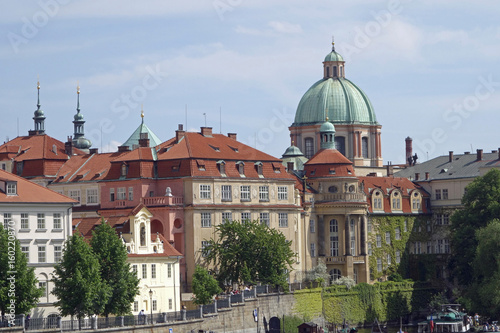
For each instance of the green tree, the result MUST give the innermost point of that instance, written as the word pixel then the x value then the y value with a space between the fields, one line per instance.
pixel 77 280
pixel 205 286
pixel 19 288
pixel 485 290
pixel 481 205
pixel 249 252
pixel 114 270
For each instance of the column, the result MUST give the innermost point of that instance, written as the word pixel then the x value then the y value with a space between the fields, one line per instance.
pixel 321 235
pixel 347 238
pixel 360 151
pixel 354 144
pixel 363 233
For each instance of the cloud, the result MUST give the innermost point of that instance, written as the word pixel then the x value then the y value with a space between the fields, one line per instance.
pixel 285 27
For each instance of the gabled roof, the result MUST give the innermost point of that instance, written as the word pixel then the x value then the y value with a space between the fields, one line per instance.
pixel 328 163
pixel 28 192
pixel 35 147
pixel 91 167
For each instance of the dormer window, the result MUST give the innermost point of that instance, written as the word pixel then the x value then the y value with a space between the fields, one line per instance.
pixel 241 168
pixel 11 188
pixel 201 165
pixel 258 167
pixel 124 170
pixel 222 168
pixel 416 201
pixel 377 198
pixel 396 200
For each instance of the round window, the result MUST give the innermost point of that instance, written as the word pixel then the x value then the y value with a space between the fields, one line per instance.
pixel 351 188
pixel 333 189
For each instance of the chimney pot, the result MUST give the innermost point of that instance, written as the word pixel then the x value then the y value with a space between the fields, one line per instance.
pixel 94 150
pixel 122 149
pixel 179 134
pixel 231 136
pixel 181 127
pixel 390 169
pixel 450 156
pixel 206 131
pixel 426 176
pixel 409 149
pixel 417 175
pixel 467 153
pixel 68 146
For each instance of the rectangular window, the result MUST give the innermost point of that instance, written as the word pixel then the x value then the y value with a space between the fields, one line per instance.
pixel 312 226
pixel 334 245
pixel 429 247
pixel 144 271
pixel 446 246
pixel 204 244
pixel 283 220
pixel 57 221
pixel 446 219
pixel 136 306
pixel 134 269
pixel 111 194
pixel 264 218
pixel 388 238
pixel 445 194
pixel 169 270
pixel 245 192
pixel 398 257
pixel 313 250
pixel 282 193
pixel 130 194
pixel 264 193
pixel 438 194
pixel 389 259
pixel 245 217
pixel 406 226
pixel 75 195
pixel 41 254
pixel 120 193
pixel 418 248
pixel 205 191
pixel 370 249
pixel 379 265
pixel 155 305
pixel 206 220
pixel 26 251
pixel 11 188
pixel 440 246
pixel 227 216
pixel 379 241
pixel 43 286
pixel 7 219
pixel 57 253
pixel 226 193
pixel 92 196
pixel 397 233
pixel 170 304
pixel 25 221
pixel 40 221
pixel 153 271
pixel 369 225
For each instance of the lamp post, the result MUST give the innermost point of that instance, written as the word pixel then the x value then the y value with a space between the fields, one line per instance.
pixel 151 304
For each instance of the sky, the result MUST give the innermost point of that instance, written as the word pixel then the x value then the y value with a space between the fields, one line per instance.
pixel 430 68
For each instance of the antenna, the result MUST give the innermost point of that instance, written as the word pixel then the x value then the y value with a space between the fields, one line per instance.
pixel 204 113
pixel 101 141
pixel 17 126
pixel 186 114
pixel 220 119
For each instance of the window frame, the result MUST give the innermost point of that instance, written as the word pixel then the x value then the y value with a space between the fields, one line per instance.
pixel 282 192
pixel 245 193
pixel 283 220
pixel 206 219
pixel 205 191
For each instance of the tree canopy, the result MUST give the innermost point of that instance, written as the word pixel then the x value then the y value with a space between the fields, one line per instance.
pixel 205 286
pixel 114 270
pixel 77 280
pixel 249 252
pixel 481 203
pixel 18 283
pixel 485 289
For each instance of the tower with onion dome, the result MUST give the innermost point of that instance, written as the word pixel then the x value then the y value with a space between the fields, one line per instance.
pixel 79 140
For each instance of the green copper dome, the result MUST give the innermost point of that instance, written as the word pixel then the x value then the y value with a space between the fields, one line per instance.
pixel 292 151
pixel 337 98
pixel 327 127
pixel 78 116
pixel 333 56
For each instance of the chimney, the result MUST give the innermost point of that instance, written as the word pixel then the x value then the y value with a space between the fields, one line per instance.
pixel 144 140
pixel 231 136
pixel 390 170
pixel 409 149
pixel 450 156
pixel 479 154
pixel 417 175
pixel 94 150
pixel 467 153
pixel 68 146
pixel 426 176
pixel 289 166
pixel 206 131
pixel 122 149
pixel 179 134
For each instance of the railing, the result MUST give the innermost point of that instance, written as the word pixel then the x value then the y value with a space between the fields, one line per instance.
pixel 163 201
pixel 348 197
pixel 335 260
pixel 120 203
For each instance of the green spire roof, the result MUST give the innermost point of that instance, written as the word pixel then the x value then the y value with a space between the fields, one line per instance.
pixel 133 140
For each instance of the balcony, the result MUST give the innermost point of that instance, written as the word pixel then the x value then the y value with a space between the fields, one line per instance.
pixel 343 197
pixel 163 201
pixel 342 260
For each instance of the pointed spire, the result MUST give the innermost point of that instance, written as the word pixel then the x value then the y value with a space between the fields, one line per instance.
pixel 333 44
pixel 38 88
pixel 78 97
pixel 39 117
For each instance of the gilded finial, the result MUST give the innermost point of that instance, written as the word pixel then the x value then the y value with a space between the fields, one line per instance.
pixel 293 143
pixel 327 118
pixel 78 87
pixel 38 82
pixel 333 44
pixel 142 110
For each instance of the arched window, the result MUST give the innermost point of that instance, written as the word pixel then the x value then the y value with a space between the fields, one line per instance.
pixel 377 200
pixel 334 238
pixel 341 71
pixel 143 235
pixel 309 147
pixel 396 200
pixel 334 71
pixel 335 274
pixel 327 71
pixel 364 146
pixel 416 200
pixel 340 144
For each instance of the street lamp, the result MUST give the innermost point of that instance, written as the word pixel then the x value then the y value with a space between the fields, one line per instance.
pixel 151 304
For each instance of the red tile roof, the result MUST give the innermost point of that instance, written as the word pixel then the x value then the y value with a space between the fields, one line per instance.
pixel 328 163
pixel 28 192
pixel 90 167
